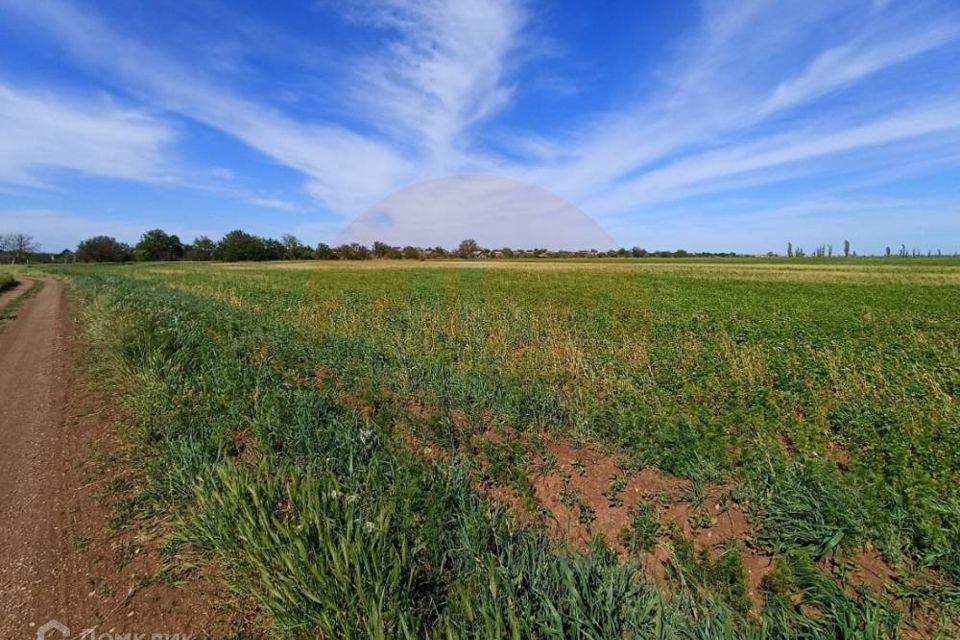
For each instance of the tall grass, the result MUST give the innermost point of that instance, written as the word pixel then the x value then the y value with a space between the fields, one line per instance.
pixel 6 281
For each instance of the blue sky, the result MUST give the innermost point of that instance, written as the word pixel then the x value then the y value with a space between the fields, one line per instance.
pixel 710 125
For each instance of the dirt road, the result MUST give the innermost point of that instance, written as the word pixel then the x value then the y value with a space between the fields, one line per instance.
pixel 60 556
pixel 34 365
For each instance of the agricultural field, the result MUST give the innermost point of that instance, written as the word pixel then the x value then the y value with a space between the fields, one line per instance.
pixel 696 449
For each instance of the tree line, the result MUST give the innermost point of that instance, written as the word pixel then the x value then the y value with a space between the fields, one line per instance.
pixel 238 246
pixel 826 251
pixel 156 245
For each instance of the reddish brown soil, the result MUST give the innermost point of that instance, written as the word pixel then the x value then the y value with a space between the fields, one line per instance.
pixel 419 410
pixel 59 555
pixel 587 473
pixel 576 499
pixel 583 476
pixel 838 454
pixel 865 568
pixel 871 569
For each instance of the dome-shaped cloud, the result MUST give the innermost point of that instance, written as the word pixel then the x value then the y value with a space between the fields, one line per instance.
pixel 494 211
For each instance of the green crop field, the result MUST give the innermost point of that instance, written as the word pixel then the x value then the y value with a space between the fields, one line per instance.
pixel 695 449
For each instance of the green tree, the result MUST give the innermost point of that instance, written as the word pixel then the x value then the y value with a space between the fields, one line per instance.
pixel 157 245
pixel 203 248
pixel 467 248
pixel 294 249
pixel 239 245
pixel 352 251
pixel 846 248
pixel 273 249
pixel 324 252
pixel 789 249
pixel 103 249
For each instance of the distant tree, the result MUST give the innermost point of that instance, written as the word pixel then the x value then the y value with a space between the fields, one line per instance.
pixel 410 253
pixel 273 249
pixel 380 249
pixel 103 249
pixel 830 250
pixel 239 245
pixel 887 252
pixel 846 248
pixel 789 249
pixel 507 252
pixel 293 249
pixel 203 248
pixel 157 245
pixel 291 246
pixel 324 252
pixel 439 252
pixel 467 248
pixel 16 247
pixel 903 251
pixel 352 251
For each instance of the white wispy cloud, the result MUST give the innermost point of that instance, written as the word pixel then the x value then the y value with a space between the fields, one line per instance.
pixel 843 65
pixel 671 181
pixel 443 70
pixel 41 130
pixel 342 167
pixel 709 126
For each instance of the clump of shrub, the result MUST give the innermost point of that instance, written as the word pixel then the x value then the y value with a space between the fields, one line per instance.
pixel 644 529
pixel 723 575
